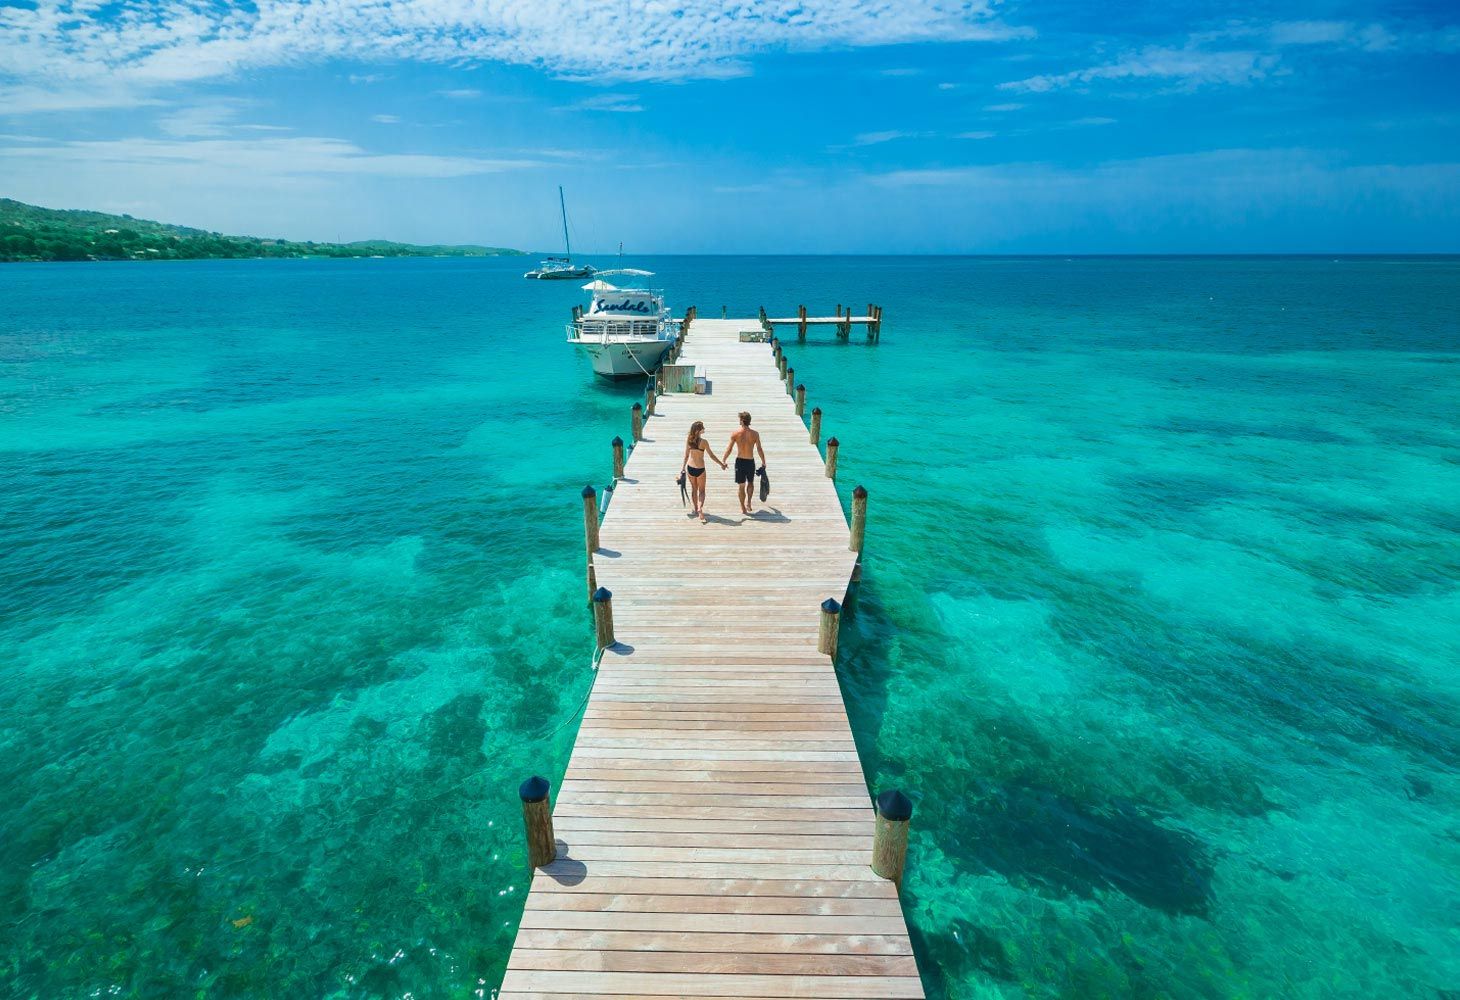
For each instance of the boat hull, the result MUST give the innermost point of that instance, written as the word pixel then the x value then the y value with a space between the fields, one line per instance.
pixel 626 359
pixel 560 275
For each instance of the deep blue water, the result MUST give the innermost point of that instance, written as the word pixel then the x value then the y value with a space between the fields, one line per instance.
pixel 1159 627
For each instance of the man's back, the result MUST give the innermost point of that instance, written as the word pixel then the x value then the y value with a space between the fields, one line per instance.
pixel 745 441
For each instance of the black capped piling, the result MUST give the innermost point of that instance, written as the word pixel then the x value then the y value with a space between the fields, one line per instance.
pixel 832 444
pixel 590 519
pixel 831 616
pixel 816 425
pixel 537 821
pixel 603 617
pixel 618 458
pixel 889 841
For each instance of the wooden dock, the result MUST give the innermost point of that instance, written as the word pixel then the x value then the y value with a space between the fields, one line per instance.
pixel 714 828
pixel 843 321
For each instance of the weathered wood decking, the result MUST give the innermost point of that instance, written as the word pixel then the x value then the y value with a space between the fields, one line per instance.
pixel 714 825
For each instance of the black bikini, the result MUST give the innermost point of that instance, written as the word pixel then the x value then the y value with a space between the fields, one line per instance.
pixel 696 473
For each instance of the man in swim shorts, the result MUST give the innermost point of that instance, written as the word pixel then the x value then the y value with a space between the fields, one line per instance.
pixel 746 444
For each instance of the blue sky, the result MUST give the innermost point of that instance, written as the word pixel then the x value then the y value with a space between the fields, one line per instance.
pixel 748 126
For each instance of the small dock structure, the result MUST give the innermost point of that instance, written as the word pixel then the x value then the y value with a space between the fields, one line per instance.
pixel 843 321
pixel 714 835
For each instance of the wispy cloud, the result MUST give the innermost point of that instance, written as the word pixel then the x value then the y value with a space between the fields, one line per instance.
pixel 999 108
pixel 976 135
pixel 259 157
pixel 386 119
pixel 1189 65
pixel 889 135
pixel 66 47
pixel 460 93
pixel 616 103
pixel 1242 53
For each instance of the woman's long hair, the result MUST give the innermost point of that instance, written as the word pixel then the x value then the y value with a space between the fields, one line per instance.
pixel 696 429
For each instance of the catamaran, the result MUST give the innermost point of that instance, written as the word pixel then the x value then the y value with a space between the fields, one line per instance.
pixel 558 268
pixel 626 331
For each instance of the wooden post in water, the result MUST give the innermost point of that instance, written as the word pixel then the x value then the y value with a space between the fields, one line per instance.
pixel 592 580
pixel 603 617
pixel 816 425
pixel 781 364
pixel 590 519
pixel 618 458
pixel 790 381
pixel 889 841
pixel 831 446
pixel 859 519
pixel 831 616
pixel 649 399
pixel 638 421
pixel 801 328
pixel 800 400
pixel 537 820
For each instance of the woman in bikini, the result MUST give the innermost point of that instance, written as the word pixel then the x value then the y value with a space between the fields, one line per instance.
pixel 694 464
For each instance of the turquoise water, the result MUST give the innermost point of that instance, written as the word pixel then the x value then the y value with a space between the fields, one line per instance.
pixel 1159 624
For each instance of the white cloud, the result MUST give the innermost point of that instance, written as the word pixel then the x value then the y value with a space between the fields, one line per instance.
pixel 200 121
pixel 386 119
pixel 1191 66
pixel 258 158
pixel 1092 120
pixel 619 103
pixel 889 135
pixel 1004 107
pixel 947 86
pixel 67 48
pixel 1211 58
pixel 461 93
pixel 976 135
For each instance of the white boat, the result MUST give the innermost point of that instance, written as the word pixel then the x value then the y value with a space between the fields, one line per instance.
pixel 625 331
pixel 559 268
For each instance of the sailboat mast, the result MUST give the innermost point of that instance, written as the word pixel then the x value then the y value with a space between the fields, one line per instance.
pixel 563 207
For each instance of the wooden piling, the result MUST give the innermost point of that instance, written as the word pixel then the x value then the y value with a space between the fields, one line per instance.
pixel 618 458
pixel 816 425
pixel 831 446
pixel 649 399
pixel 800 400
pixel 859 518
pixel 603 617
pixel 889 841
pixel 781 364
pixel 592 575
pixel 790 382
pixel 537 821
pixel 590 519
pixel 637 421
pixel 831 616
pixel 801 328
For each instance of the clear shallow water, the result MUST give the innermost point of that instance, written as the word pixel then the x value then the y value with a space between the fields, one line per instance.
pixel 1159 625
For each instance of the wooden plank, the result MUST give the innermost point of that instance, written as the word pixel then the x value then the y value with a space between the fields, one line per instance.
pixel 707 941
pixel 601 984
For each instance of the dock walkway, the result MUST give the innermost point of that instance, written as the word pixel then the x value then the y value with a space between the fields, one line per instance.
pixel 714 826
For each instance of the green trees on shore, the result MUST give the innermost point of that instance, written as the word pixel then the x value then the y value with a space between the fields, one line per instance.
pixel 31 233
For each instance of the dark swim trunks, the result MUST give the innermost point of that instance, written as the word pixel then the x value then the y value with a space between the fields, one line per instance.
pixel 745 470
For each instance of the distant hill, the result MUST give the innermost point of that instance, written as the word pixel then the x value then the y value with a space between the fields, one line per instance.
pixel 29 232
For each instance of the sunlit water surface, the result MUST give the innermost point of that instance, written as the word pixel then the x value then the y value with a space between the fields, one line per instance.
pixel 1159 625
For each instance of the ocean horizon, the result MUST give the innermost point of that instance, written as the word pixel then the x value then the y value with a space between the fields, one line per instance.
pixel 1158 625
